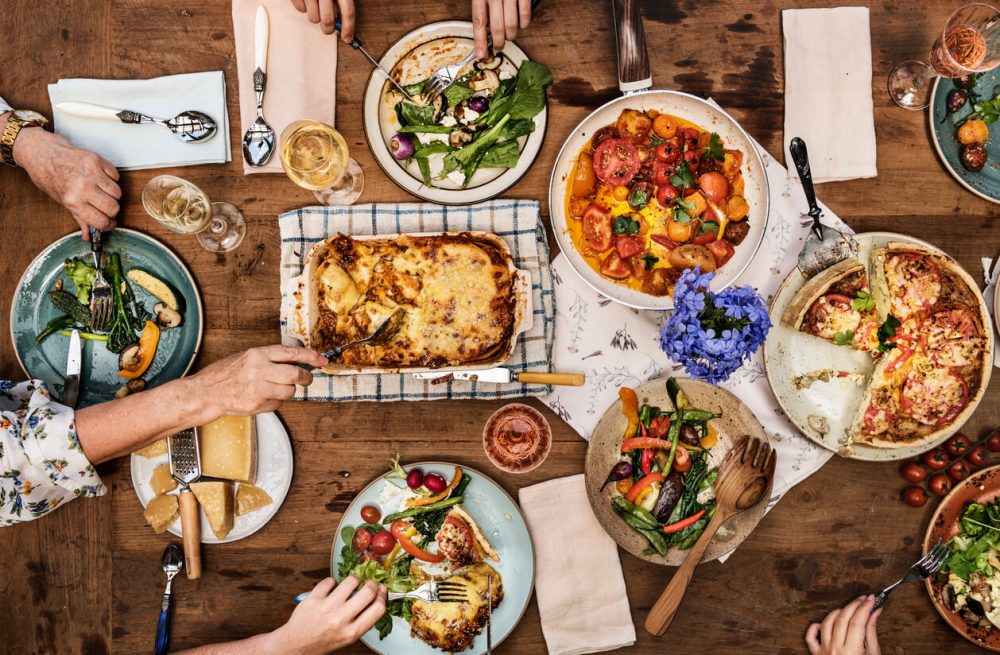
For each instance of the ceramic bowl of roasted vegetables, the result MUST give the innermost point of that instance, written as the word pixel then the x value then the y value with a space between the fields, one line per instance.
pixel 653 462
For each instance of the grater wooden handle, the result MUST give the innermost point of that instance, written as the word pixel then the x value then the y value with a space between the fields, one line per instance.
pixel 191 529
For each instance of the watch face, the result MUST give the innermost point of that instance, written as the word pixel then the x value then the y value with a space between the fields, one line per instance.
pixel 28 116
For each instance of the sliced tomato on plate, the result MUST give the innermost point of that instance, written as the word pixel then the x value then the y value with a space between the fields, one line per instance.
pixel 615 267
pixel 597 228
pixel 616 161
pixel 629 245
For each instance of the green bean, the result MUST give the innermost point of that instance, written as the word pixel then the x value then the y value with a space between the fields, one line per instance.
pixel 414 511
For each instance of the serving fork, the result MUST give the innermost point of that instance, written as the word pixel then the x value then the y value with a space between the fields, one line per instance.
pixel 435 592
pixel 101 304
pixel 924 568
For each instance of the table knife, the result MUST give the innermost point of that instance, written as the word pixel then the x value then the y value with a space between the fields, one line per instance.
pixel 185 467
pixel 505 376
pixel 74 362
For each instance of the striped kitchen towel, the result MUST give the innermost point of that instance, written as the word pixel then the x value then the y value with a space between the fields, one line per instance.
pixel 516 221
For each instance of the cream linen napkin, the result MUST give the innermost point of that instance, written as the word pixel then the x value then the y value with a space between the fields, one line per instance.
pixel 828 95
pixel 574 622
pixel 301 71
pixel 133 147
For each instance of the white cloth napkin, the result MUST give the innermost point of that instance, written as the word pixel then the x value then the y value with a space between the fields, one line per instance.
pixel 989 294
pixel 828 94
pixel 133 147
pixel 615 345
pixel 557 512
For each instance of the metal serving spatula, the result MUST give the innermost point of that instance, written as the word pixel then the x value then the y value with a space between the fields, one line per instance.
pixel 185 467
pixel 820 250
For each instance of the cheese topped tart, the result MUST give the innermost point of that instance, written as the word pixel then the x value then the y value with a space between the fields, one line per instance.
pixel 457 292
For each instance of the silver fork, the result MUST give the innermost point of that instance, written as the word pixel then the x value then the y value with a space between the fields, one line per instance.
pixel 924 568
pixel 444 77
pixel 436 592
pixel 101 304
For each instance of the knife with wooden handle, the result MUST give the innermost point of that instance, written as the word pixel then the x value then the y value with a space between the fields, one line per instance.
pixel 506 376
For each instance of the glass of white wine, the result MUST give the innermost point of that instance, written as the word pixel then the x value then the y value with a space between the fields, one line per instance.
pixel 315 157
pixel 182 207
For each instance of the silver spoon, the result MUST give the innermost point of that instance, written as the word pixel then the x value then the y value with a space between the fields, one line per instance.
pixel 187 126
pixel 173 562
pixel 258 142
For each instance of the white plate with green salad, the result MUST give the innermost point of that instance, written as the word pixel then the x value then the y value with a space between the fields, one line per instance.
pixel 474 141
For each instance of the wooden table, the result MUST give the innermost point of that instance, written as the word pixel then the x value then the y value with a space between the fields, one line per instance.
pixel 87 579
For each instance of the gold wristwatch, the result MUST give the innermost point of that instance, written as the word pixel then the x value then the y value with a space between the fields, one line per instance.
pixel 19 118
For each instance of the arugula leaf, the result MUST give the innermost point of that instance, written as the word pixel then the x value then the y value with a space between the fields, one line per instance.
pixel 529 90
pixel 886 331
pixel 714 148
pixel 425 169
pixel 843 338
pixel 468 156
pixel 863 301
pixel 503 154
pixel 410 113
pixel 683 176
pixel 624 224
pixel 457 92
pixel 516 128
pixel 425 129
pixel 432 148
pixel 650 260
pixel 987 111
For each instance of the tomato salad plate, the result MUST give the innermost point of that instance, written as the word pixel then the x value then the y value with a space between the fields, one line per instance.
pixel 157 324
pixel 652 465
pixel 470 143
pixel 883 356
pixel 437 521
pixel 966 591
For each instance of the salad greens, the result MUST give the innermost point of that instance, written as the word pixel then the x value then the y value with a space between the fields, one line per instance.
pixel 396 577
pixel 979 538
pixel 83 276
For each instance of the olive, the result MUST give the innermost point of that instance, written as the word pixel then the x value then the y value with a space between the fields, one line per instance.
pixel 689 435
pixel 956 100
pixel 965 82
pixel 973 156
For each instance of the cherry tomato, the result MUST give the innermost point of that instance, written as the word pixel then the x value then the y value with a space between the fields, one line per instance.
pixel 370 513
pixel 690 136
pixel 362 539
pixel 629 245
pixel 993 441
pixel 620 193
pixel 935 459
pixel 383 543
pixel 959 470
pixel 668 153
pixel 616 161
pixel 415 479
pixel 435 483
pixel 634 125
pixel 693 159
pixel 957 445
pixel 665 126
pixel 665 193
pixel 913 472
pixel 978 456
pixel 682 460
pixel 914 496
pixel 603 134
pixel 662 173
pixel 597 228
pixel 939 484
pixel 722 250
pixel 715 186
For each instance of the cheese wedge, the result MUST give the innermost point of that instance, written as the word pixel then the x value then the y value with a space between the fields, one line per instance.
pixel 161 481
pixel 228 448
pixel 161 512
pixel 250 498
pixel 216 500
pixel 154 449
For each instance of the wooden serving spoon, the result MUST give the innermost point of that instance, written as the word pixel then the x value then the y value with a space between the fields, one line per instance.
pixel 744 478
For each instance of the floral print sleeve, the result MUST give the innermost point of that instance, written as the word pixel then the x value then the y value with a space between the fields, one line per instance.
pixel 41 462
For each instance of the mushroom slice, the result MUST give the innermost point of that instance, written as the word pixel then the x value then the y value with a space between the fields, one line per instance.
pixel 459 138
pixel 485 80
pixel 488 64
pixel 440 104
pixel 128 359
pixel 166 318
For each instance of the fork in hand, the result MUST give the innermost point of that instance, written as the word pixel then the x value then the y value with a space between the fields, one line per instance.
pixel 101 303
pixel 925 567
pixel 436 592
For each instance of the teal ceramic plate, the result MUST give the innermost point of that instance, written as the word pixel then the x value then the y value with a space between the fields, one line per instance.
pixel 944 129
pixel 500 518
pixel 31 310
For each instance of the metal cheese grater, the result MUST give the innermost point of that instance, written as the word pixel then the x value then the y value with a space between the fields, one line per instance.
pixel 185 467
pixel 185 460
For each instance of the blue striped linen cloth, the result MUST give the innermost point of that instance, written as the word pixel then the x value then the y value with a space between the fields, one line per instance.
pixel 516 221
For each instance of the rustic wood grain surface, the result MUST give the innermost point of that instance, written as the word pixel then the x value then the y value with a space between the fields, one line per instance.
pixel 86 579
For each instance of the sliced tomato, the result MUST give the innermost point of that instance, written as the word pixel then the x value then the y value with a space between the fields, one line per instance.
pixel 629 245
pixel 634 125
pixel 615 267
pixel 663 240
pixel 715 186
pixel 659 282
pixel 901 357
pixel 704 238
pixel 597 228
pixel 616 161
pixel 838 298
pixel 722 250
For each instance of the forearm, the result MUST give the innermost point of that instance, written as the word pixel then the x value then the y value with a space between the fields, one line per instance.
pixel 119 427
pixel 263 644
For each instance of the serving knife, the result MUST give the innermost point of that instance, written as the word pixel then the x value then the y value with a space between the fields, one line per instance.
pixel 74 362
pixel 506 376
pixel 185 467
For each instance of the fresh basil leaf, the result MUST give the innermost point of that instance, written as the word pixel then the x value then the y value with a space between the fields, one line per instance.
pixel 886 331
pixel 624 224
pixel 681 216
pixel 843 338
pixel 709 226
pixel 863 302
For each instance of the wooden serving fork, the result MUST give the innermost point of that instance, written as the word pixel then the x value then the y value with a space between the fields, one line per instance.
pixel 744 478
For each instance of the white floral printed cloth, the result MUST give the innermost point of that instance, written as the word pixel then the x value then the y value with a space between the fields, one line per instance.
pixel 615 345
pixel 41 462
pixel 989 294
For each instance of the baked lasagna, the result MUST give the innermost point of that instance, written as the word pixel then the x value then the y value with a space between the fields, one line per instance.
pixel 457 293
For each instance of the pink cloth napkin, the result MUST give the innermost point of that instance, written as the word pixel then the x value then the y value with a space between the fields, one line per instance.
pixel 301 70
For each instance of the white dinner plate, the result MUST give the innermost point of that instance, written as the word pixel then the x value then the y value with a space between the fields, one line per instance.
pixel 274 475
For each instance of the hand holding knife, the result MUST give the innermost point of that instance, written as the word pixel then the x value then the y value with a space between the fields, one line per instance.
pixel 74 362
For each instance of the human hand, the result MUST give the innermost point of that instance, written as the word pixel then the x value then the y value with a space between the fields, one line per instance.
pixel 503 17
pixel 254 381
pixel 847 631
pixel 330 618
pixel 80 180
pixel 325 11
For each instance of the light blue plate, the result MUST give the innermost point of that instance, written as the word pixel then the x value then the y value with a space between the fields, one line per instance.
pixel 501 521
pixel 31 310
pixel 944 128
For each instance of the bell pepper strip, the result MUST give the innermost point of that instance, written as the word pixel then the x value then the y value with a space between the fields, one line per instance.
pixel 398 530
pixel 427 500
pixel 630 409
pixel 637 488
pixel 148 340
pixel 710 439
pixel 622 486
pixel 647 461
pixel 644 442
pixel 644 494
pixel 683 523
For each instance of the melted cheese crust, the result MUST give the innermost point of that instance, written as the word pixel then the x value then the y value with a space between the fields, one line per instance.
pixel 457 292
pixel 453 626
pixel 914 283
